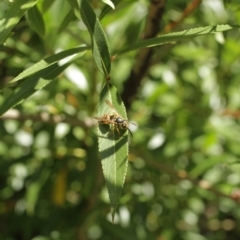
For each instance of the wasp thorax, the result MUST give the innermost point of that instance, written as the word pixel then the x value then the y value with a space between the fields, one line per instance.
pixel 125 124
pixel 119 120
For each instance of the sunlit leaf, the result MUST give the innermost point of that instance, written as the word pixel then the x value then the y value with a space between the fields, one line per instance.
pixel 113 146
pixel 35 82
pixel 12 17
pixel 107 8
pixel 48 61
pixel 177 36
pixel 109 3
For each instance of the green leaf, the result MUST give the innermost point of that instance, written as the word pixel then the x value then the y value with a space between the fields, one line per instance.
pixel 48 62
pixel 36 21
pixel 34 187
pixel 37 81
pixel 46 4
pixel 106 8
pixel 27 88
pixel 12 17
pixel 113 146
pixel 204 166
pixel 68 18
pixel 109 3
pixel 177 36
pixel 100 47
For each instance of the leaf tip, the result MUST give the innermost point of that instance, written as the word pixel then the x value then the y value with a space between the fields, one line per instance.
pixel 113 211
pixel 109 3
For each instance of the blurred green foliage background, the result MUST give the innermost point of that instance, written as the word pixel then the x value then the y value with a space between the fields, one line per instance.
pixel 184 173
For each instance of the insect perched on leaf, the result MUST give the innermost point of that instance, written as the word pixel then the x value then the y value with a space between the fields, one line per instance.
pixel 114 119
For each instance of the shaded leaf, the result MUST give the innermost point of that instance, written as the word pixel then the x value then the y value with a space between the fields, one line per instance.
pixel 106 8
pixel 46 4
pixel 68 18
pixel 60 187
pixel 36 20
pixel 34 188
pixel 100 47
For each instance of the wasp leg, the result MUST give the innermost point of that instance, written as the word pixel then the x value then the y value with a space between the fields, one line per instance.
pixel 118 131
pixel 130 132
pixel 110 134
pixel 113 128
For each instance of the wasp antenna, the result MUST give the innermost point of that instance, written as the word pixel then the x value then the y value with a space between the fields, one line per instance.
pixel 130 132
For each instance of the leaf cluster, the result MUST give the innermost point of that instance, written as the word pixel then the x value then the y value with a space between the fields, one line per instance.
pixel 177 178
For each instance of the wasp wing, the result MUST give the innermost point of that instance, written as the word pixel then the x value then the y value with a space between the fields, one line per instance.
pixel 103 120
pixel 98 118
pixel 113 108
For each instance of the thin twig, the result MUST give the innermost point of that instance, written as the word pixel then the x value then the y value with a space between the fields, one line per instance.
pixel 47 118
pixel 184 175
pixel 188 10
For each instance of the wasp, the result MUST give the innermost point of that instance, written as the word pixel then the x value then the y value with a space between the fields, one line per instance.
pixel 114 119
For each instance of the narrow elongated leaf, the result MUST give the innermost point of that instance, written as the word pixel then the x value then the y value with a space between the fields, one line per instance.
pixel 178 36
pixel 46 4
pixel 113 146
pixel 68 18
pixel 109 3
pixel 36 20
pixel 48 62
pixel 35 186
pixel 74 4
pixel 12 17
pixel 107 8
pixel 37 81
pixel 100 47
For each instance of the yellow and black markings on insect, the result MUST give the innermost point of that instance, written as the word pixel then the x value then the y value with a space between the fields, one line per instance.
pixel 114 119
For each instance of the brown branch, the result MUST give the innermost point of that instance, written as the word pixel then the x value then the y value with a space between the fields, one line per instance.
pixel 188 10
pixel 47 118
pixel 156 10
pixel 144 56
pixel 232 113
pixel 184 175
